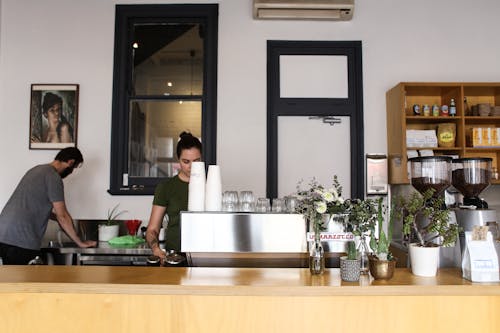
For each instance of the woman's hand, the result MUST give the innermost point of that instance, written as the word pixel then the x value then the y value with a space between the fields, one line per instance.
pixel 160 254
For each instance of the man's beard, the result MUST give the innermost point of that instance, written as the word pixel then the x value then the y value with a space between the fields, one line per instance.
pixel 66 172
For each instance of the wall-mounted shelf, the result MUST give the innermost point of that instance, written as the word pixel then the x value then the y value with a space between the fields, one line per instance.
pixel 400 117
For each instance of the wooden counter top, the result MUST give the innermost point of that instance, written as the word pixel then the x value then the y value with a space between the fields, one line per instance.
pixel 244 300
pixel 229 281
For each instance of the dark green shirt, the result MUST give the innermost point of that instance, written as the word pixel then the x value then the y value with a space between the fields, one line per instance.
pixel 172 193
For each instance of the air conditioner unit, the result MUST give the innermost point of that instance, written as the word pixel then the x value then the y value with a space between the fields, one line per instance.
pixel 336 10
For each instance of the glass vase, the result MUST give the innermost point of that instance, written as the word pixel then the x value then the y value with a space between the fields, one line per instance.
pixel 316 258
pixel 316 251
pixel 363 251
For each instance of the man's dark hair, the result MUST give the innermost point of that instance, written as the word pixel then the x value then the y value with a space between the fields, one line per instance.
pixel 70 153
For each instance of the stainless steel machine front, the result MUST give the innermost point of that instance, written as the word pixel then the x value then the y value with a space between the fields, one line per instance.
pixel 244 239
pixel 250 240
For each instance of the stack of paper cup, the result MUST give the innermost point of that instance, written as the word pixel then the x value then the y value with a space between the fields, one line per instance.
pixel 213 191
pixel 196 197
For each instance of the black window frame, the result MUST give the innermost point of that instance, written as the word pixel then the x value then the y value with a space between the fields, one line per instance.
pixel 352 106
pixel 126 16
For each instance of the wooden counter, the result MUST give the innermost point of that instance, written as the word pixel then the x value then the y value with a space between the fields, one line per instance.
pixel 132 299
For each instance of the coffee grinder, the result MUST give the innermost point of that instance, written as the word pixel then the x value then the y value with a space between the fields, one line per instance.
pixel 435 172
pixel 471 176
pixel 430 172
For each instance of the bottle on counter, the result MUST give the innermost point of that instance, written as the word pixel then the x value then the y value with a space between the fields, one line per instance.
pixel 453 108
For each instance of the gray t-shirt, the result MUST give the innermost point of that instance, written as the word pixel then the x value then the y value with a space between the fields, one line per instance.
pixel 24 219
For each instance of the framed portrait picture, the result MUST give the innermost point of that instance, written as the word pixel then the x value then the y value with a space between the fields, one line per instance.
pixel 53 116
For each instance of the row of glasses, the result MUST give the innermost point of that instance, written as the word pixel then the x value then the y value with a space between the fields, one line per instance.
pixel 245 202
pixel 279 205
pixel 232 202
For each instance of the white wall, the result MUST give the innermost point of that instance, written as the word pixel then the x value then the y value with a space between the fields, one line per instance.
pixel 71 41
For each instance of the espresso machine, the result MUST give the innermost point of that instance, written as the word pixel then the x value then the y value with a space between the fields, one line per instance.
pixel 435 172
pixel 471 176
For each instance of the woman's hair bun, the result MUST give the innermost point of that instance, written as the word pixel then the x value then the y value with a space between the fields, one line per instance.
pixel 185 135
pixel 187 141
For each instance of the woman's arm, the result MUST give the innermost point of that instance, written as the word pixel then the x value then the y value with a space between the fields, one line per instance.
pixel 154 226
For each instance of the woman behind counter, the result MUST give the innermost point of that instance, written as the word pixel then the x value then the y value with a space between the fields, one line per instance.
pixel 171 197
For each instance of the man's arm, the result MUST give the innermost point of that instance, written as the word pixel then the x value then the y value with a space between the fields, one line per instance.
pixel 66 222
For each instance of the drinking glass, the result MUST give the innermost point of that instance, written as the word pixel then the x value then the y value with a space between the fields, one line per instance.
pixel 263 205
pixel 247 201
pixel 278 205
pixel 290 203
pixel 230 201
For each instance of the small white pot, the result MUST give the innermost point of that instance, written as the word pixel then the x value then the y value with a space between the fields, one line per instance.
pixel 107 232
pixel 424 261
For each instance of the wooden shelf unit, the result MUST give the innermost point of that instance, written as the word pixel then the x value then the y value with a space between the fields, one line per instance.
pixel 400 100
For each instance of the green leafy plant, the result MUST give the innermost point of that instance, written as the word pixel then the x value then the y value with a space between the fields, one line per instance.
pixel 352 253
pixel 434 210
pixel 113 215
pixel 380 244
pixel 362 216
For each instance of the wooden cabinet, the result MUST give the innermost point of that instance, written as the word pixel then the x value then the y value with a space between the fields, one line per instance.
pixel 400 118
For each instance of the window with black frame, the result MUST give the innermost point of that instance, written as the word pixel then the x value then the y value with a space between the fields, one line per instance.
pixel 165 82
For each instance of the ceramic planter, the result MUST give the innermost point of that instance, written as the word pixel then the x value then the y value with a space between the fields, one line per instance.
pixel 424 261
pixel 107 232
pixel 350 269
pixel 381 269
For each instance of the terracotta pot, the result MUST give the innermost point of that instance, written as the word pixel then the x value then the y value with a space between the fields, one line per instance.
pixel 381 269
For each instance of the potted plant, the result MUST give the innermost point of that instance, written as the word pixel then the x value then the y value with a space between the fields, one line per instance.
pixel 427 221
pixel 316 204
pixel 381 261
pixel 109 229
pixel 350 265
pixel 361 221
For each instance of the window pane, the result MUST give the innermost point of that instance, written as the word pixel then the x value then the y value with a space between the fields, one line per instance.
pixel 154 128
pixel 335 160
pixel 313 76
pixel 168 59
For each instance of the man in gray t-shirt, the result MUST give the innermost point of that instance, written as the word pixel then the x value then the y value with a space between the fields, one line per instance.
pixel 38 197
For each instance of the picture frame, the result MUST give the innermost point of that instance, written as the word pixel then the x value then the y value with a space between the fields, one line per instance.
pixel 53 116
